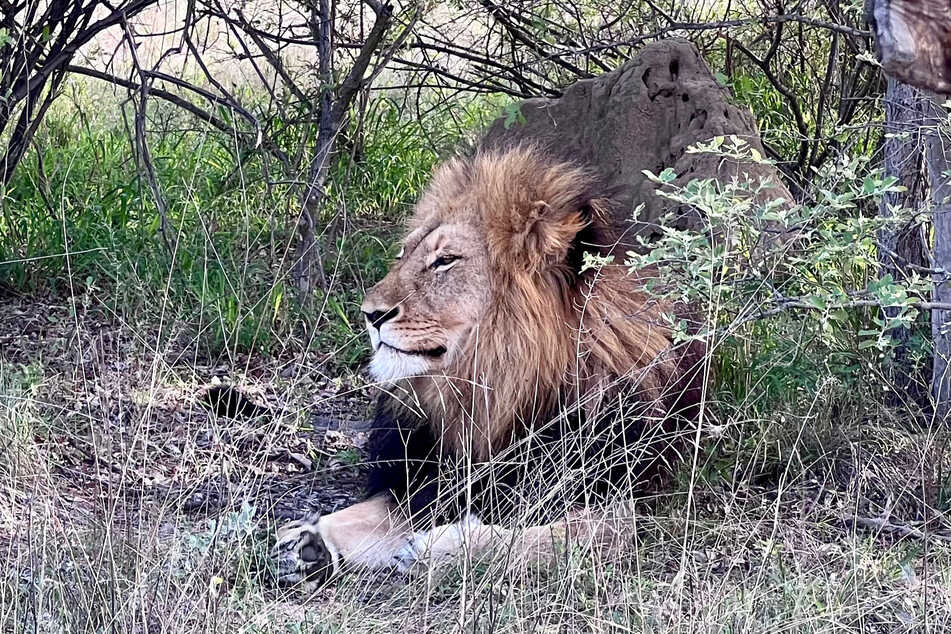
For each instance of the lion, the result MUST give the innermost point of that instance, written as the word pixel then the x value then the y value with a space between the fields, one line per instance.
pixel 525 383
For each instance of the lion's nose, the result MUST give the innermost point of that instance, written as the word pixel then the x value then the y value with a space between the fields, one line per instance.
pixel 378 317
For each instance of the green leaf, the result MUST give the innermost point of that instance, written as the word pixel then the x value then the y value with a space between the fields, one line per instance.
pixel 594 260
pixel 278 297
pixel 513 114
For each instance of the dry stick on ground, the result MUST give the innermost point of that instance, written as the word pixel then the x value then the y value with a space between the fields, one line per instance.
pixel 885 525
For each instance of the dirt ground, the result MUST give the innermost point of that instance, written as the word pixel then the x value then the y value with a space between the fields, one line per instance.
pixel 131 421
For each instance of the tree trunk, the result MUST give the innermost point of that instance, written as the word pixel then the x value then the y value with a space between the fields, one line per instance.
pixel 333 115
pixel 307 257
pixel 938 161
pixel 914 40
pixel 902 245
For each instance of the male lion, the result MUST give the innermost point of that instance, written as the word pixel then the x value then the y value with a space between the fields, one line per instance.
pixel 522 385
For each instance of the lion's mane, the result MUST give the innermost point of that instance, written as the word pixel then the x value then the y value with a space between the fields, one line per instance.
pixel 563 351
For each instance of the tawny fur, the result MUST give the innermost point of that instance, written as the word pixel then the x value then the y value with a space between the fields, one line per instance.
pixel 506 336
pixel 546 332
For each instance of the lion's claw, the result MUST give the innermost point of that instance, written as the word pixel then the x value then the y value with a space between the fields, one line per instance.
pixel 299 553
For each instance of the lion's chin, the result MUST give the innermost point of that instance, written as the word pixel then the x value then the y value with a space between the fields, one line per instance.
pixel 389 364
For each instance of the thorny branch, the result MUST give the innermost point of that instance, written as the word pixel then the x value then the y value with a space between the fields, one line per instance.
pixel 186 105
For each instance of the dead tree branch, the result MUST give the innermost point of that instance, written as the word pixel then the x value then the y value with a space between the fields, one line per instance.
pixel 249 140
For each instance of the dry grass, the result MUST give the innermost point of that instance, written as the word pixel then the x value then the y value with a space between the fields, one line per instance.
pixel 127 507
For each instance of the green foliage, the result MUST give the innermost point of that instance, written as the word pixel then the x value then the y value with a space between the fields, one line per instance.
pixel 513 115
pixel 795 290
pixel 762 97
pixel 78 220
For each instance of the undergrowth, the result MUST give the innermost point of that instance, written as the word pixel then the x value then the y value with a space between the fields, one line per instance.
pixel 805 505
pixel 78 221
pixel 764 539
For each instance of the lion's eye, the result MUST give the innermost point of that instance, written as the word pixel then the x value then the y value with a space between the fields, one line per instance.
pixel 399 256
pixel 444 261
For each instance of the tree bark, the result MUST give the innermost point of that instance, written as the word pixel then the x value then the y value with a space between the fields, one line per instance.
pixel 333 112
pixel 938 161
pixel 903 244
pixel 914 40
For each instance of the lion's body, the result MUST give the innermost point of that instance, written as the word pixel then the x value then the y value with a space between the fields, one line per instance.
pixel 520 382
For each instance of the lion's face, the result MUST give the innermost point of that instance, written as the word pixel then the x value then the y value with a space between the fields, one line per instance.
pixel 422 313
pixel 489 237
pixel 490 302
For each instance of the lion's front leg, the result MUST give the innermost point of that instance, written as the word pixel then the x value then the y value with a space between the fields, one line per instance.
pixel 531 545
pixel 474 540
pixel 366 535
pixel 443 543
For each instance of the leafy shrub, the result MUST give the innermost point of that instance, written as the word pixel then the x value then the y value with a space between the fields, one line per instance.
pixel 794 290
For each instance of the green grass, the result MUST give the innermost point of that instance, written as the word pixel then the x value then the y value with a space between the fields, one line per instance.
pixel 98 468
pixel 77 221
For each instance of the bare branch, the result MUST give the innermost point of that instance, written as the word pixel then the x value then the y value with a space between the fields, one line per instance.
pixel 144 156
pixel 184 104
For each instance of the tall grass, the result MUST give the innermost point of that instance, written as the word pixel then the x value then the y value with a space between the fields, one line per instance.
pixel 804 482
pixel 762 548
pixel 77 220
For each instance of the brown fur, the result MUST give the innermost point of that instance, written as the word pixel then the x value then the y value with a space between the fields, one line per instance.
pixel 490 324
pixel 546 330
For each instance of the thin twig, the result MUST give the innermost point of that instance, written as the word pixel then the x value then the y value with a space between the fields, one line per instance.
pixel 885 525
pixel 184 104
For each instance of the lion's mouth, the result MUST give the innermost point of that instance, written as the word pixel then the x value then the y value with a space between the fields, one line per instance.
pixel 433 353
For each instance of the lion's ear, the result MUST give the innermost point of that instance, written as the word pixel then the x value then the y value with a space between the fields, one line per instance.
pixel 547 234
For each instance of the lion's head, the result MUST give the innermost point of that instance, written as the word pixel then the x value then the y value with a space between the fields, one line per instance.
pixel 487 313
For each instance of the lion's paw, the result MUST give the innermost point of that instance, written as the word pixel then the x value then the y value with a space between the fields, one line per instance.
pixel 300 554
pixel 414 551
